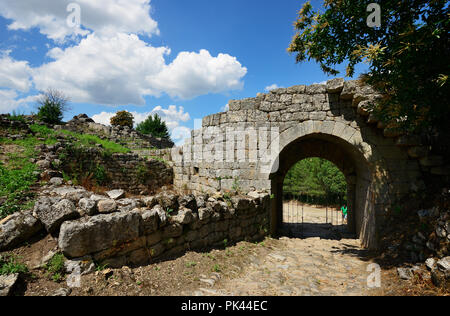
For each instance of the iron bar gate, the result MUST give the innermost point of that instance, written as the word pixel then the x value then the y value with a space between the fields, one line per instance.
pixel 302 220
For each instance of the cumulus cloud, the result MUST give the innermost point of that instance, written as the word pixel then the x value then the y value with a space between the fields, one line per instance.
pixel 272 87
pixel 124 69
pixel 10 101
pixel 104 17
pixel 103 70
pixel 14 74
pixel 192 74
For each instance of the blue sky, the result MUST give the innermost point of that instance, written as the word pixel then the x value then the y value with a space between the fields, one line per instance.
pixel 181 59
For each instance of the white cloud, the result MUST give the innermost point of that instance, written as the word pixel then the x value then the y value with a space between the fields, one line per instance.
pixel 179 134
pixel 192 74
pixel 322 82
pixel 104 17
pixel 10 101
pixel 123 70
pixel 103 70
pixel 14 74
pixel 272 87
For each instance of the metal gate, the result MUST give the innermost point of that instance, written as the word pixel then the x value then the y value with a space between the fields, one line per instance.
pixel 302 220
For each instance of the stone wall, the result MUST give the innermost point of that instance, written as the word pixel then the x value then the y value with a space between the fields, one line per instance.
pixel 382 166
pixel 129 172
pixel 162 226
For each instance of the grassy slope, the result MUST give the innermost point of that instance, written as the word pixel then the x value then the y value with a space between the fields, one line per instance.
pixel 17 173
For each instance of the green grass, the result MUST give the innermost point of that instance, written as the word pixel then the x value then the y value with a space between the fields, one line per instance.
pixel 191 264
pixel 55 267
pixel 10 265
pixel 17 173
pixel 216 268
pixel 92 140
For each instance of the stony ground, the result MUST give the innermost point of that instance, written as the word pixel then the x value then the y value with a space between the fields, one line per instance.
pixel 320 265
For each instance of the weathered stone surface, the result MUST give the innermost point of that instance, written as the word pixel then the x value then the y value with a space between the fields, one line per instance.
pixel 335 85
pixel 183 217
pixel 107 206
pixel 83 265
pixel 62 292
pixel 71 193
pixel 161 214
pixel 56 181
pixel 205 213
pixel 88 206
pixel 7 283
pixel 116 194
pixel 85 236
pixel 43 164
pixel 52 216
pixel 150 220
pixel 349 90
pixel 404 273
pixel 172 230
pixel 18 228
pixel 188 201
pixel 168 201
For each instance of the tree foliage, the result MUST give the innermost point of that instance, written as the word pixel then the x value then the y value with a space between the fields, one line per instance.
pixel 51 106
pixel 123 118
pixel 316 177
pixel 154 126
pixel 407 54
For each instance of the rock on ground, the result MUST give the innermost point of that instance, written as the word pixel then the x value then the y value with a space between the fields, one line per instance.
pixel 116 194
pixel 17 228
pixel 52 216
pixel 85 236
pixel 7 283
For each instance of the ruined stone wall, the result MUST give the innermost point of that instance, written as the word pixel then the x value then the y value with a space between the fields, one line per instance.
pixel 129 172
pixel 162 226
pixel 383 167
pixel 118 134
pixel 337 109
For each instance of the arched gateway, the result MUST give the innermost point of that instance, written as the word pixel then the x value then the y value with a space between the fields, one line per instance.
pixel 253 145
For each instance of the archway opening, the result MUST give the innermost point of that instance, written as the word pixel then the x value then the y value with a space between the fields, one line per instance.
pixel 350 161
pixel 315 201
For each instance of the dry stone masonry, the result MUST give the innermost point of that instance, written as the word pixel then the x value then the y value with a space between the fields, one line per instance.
pixel 254 144
pixel 119 134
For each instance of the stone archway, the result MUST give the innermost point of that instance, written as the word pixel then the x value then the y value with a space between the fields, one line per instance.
pixel 330 121
pixel 342 145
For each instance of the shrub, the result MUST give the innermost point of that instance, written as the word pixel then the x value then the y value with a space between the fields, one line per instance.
pixel 154 126
pixel 51 106
pixel 122 118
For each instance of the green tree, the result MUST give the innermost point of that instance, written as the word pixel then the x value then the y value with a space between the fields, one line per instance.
pixel 406 54
pixel 154 126
pixel 316 177
pixel 51 106
pixel 123 118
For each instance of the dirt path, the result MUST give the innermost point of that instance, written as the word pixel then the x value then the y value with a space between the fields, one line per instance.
pixel 320 264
